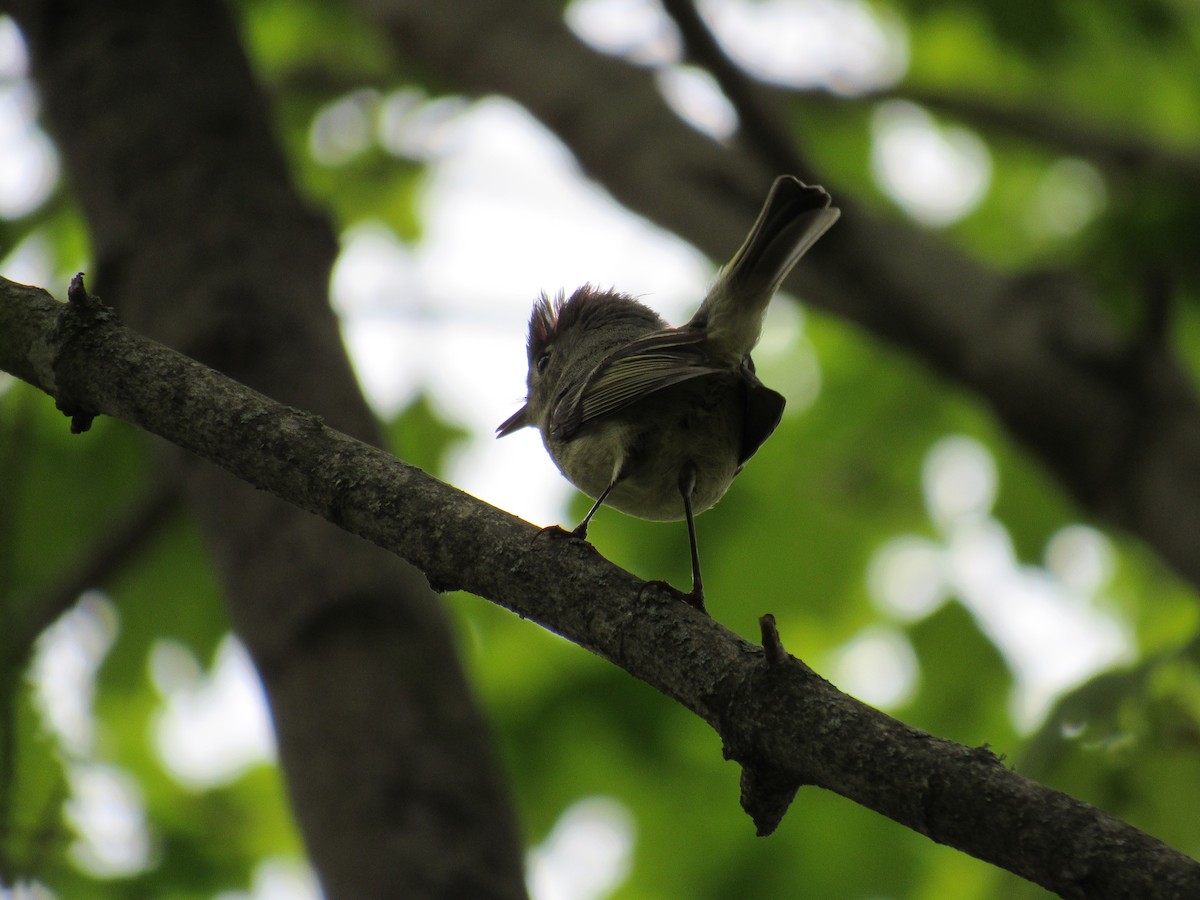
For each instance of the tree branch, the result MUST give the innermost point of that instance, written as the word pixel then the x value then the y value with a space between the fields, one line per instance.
pixel 762 132
pixel 783 723
pixel 1111 150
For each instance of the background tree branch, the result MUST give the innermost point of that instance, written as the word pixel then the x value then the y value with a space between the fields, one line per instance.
pixel 781 721
pixel 129 534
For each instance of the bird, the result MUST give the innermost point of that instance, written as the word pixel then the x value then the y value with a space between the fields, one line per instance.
pixel 654 420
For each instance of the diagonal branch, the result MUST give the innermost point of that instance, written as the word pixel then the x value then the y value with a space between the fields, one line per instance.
pixel 99 563
pixel 762 132
pixel 766 136
pixel 781 721
pixel 1111 149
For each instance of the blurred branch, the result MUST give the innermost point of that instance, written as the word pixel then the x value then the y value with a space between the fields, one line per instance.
pixel 765 135
pixel 111 552
pixel 760 127
pixel 1036 346
pixel 1108 149
pixel 783 723
pixel 15 432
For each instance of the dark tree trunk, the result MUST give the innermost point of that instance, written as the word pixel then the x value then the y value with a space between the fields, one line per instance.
pixel 199 232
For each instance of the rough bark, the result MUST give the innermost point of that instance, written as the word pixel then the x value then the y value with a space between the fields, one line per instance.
pixel 782 722
pixel 198 229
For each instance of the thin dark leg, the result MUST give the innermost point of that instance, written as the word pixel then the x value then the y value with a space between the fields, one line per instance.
pixel 687 484
pixel 581 529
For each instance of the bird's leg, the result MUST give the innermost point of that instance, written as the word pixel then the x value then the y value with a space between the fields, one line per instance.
pixel 580 530
pixel 687 484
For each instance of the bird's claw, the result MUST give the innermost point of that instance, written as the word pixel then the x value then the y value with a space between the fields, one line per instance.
pixel 557 531
pixel 693 598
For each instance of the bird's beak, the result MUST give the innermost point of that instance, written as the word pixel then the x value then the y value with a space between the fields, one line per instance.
pixel 513 422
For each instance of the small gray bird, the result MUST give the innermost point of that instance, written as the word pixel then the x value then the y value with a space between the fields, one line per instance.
pixel 656 421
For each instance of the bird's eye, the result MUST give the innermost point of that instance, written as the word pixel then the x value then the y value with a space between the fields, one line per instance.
pixel 542 362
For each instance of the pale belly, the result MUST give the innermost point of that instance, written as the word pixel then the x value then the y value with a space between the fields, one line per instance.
pixel 696 426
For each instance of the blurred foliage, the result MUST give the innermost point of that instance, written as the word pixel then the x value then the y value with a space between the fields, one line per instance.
pixel 795 537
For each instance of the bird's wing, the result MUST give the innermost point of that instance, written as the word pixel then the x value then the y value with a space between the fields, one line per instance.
pixel 641 367
pixel 764 409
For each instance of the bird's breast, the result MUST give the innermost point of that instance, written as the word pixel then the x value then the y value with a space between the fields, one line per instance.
pixel 695 425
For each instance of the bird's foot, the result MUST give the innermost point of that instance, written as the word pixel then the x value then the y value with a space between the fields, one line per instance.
pixel 693 598
pixel 557 531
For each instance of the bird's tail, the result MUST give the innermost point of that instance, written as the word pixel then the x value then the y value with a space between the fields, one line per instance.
pixel 793 217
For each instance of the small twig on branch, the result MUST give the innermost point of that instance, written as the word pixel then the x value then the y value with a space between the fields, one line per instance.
pixel 82 309
pixel 772 645
pixel 767 794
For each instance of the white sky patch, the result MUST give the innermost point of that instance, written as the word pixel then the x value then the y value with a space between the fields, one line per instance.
pixel 214 726
pixel 104 806
pixel 27 890
pixel 508 208
pixel 637 30
pixel 1051 623
pixel 1071 194
pixel 30 262
pixel 906 577
pixel 1082 558
pixel 696 98
pixel 377 294
pixel 845 44
pixel 878 666
pixel 108 814
pixel 28 160
pixel 937 174
pixel 278 878
pixel 14 60
pixel 63 671
pixel 1053 638
pixel 586 856
pixel 506 215
pixel 959 480
pixel 412 125
pixel 343 129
